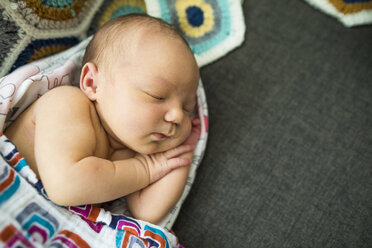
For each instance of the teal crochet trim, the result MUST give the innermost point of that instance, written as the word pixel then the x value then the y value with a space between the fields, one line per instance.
pixel 57 3
pixel 124 10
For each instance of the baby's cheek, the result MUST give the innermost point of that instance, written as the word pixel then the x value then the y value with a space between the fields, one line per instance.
pixel 144 121
pixel 151 117
pixel 187 130
pixel 184 134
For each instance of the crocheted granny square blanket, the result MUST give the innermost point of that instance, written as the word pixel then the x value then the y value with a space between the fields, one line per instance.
pixel 348 12
pixel 34 29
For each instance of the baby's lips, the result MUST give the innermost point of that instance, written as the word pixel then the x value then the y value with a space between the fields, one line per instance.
pixel 162 136
pixel 159 136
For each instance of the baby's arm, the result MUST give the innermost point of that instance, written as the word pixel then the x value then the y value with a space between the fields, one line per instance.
pixel 155 201
pixel 65 147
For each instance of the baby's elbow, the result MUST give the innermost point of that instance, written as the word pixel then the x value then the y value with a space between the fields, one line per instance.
pixel 61 194
pixel 58 197
pixel 59 200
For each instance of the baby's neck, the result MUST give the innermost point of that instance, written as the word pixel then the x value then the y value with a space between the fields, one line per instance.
pixel 115 144
pixel 118 151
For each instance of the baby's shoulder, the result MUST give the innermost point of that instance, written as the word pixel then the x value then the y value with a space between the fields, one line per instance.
pixel 66 92
pixel 67 96
pixel 63 100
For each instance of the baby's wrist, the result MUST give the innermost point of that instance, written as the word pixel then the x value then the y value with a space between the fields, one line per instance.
pixel 142 163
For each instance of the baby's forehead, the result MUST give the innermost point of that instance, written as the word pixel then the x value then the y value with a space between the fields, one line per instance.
pixel 130 41
pixel 135 41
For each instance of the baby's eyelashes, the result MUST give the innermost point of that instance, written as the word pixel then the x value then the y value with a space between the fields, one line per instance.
pixel 188 109
pixel 159 98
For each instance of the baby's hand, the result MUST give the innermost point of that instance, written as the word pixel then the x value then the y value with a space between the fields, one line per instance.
pixel 159 164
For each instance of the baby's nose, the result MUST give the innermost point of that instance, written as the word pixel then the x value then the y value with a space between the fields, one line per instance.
pixel 174 115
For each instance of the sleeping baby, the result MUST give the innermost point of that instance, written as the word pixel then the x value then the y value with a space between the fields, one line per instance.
pixel 128 131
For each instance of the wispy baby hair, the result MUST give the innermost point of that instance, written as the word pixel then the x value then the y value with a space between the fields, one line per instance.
pixel 116 33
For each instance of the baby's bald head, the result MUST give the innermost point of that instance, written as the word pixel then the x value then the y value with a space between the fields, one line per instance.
pixel 117 38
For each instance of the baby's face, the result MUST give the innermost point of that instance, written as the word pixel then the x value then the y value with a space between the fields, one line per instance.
pixel 147 102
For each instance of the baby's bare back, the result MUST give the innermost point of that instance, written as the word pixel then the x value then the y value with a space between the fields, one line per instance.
pixel 22 133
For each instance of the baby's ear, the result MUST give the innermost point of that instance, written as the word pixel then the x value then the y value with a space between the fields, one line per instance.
pixel 88 80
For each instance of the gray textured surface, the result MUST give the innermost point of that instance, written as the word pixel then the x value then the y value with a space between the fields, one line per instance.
pixel 9 35
pixel 289 157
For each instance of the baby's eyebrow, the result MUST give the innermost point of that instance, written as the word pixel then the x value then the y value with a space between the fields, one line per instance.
pixel 165 81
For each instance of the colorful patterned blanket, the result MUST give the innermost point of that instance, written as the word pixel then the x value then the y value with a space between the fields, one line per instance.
pixel 28 218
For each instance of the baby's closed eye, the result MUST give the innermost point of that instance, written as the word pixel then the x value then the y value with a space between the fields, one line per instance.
pixel 154 96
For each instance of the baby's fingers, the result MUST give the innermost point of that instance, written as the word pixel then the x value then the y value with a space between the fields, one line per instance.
pixel 174 163
pixel 175 152
pixel 196 122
